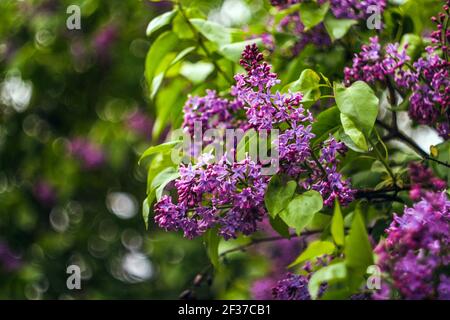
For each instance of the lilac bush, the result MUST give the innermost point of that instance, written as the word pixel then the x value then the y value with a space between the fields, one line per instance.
pixel 333 107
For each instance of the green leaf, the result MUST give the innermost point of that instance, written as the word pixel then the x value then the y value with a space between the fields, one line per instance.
pixel 182 54
pixel 234 50
pixel 171 95
pixel 212 241
pixel 158 164
pixel 161 148
pixel 359 103
pixel 212 31
pixel 145 212
pixel 300 210
pixel 196 72
pixel 165 43
pixel 349 142
pixel 279 226
pixel 327 122
pixel 312 14
pixel 315 249
pixel 337 28
pixel 182 28
pixel 442 153
pixel 279 193
pixel 160 21
pixel 329 274
pixel 353 133
pixel 337 225
pixel 162 179
pixel 358 251
pixel 308 84
pixel 414 45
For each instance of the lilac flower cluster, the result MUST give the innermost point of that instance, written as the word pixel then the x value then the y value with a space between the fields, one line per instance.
pixel 266 110
pixel 318 36
pixel 211 111
pixel 430 100
pixel 416 251
pixel 293 287
pixel 355 9
pixel 422 179
pixel 332 186
pixel 89 154
pixel 229 196
pixel 372 65
pixel 441 36
pixel 428 79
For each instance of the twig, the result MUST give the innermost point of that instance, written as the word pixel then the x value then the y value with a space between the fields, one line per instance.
pixel 202 45
pixel 397 134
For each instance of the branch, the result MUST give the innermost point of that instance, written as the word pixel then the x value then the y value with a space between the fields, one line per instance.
pixel 204 274
pixel 396 134
pixel 202 45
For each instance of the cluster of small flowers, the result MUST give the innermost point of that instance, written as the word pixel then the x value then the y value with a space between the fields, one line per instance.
pixel 371 65
pixel 430 100
pixel 428 79
pixel 229 196
pixel 266 110
pixel 416 251
pixel 89 154
pixel 9 260
pixel 331 186
pixel 422 179
pixel 211 111
pixel 441 36
pixel 295 286
pixel 318 36
pixel 355 9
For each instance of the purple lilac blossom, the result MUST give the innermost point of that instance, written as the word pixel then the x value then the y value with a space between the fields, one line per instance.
pixel 355 9
pixel 293 287
pixel 416 250
pixel 266 110
pixel 229 196
pixel 428 78
pixel 211 111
